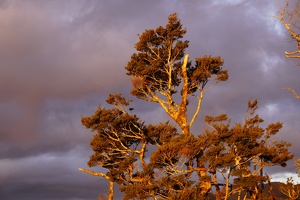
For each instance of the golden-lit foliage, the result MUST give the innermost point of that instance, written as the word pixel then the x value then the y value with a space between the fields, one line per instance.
pixel 160 65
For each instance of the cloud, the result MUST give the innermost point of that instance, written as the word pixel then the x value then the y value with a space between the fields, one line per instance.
pixel 48 177
pixel 60 59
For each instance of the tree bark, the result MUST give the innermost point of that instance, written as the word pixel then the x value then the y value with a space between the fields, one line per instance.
pixel 181 118
pixel 270 188
pixel 111 191
pixel 226 189
pixel 218 192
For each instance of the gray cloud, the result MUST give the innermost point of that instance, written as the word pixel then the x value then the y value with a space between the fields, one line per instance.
pixel 59 59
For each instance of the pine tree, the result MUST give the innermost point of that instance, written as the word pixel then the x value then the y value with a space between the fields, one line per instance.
pixel 179 164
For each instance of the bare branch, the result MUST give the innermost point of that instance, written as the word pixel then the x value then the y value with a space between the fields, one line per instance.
pixel 94 173
pixel 290 20
pixel 293 92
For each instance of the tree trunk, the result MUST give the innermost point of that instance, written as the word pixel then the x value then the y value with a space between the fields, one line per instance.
pixel 218 192
pixel 227 189
pixel 205 184
pixel 181 118
pixel 111 190
pixel 271 189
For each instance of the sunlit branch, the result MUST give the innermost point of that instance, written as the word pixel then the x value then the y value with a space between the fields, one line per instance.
pixel 151 49
pixel 94 173
pixel 292 54
pixel 199 102
pixel 184 91
pixel 292 18
pixel 170 111
pixel 142 153
pixel 292 92
pixel 117 139
pixel 169 71
pixel 111 183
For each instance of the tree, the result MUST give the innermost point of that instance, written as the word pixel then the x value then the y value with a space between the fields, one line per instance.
pixel 179 164
pixel 289 189
pixel 290 18
pixel 297 165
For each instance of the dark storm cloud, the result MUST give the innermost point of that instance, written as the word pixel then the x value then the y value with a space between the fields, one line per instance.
pixel 50 176
pixel 51 50
pixel 59 59
pixel 59 50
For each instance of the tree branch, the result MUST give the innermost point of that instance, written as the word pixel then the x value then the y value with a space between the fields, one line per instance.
pixel 94 173
pixel 292 21
pixel 198 107
pixel 293 92
pixel 184 93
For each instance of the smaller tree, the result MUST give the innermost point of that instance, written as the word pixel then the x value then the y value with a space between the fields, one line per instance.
pixel 289 189
pixel 290 18
pixel 297 165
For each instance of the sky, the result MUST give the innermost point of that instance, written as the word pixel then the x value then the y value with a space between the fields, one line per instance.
pixel 60 59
